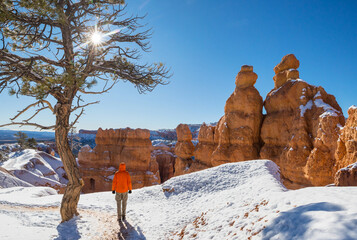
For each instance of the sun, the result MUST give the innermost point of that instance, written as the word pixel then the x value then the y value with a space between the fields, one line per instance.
pixel 96 38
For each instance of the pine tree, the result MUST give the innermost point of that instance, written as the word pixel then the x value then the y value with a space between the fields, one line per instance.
pixel 56 50
pixel 32 143
pixel 21 138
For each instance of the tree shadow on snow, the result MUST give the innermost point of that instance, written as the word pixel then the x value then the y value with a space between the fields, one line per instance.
pixel 127 231
pixel 294 223
pixel 68 230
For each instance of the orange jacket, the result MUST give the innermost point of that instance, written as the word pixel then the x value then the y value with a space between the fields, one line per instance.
pixel 121 181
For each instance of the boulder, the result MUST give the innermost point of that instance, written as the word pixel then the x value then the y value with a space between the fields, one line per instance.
pixel 246 77
pixel 286 70
pixel 287 62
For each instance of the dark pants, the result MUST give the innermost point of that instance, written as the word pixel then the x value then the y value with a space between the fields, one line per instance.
pixel 121 199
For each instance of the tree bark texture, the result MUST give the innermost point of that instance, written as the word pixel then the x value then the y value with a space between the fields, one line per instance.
pixel 75 183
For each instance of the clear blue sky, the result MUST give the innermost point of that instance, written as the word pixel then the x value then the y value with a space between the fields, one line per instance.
pixel 206 42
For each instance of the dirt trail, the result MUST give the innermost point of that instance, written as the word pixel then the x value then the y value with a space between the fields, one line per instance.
pixel 109 227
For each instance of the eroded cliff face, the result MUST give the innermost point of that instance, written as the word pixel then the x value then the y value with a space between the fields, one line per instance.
pixel 132 146
pixel 346 153
pixel 301 128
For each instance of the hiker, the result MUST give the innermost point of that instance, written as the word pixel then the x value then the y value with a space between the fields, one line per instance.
pixel 121 185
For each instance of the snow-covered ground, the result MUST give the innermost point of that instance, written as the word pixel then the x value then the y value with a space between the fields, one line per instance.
pixel 36 167
pixel 233 201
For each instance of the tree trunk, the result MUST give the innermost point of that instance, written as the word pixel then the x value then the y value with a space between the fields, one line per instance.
pixel 75 183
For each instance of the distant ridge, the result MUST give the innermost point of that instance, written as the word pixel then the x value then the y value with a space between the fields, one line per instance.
pixel 7 136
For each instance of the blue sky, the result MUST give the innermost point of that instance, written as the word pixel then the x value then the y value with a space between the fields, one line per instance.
pixel 206 42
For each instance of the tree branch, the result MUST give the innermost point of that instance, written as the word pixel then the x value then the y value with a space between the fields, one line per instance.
pixel 103 91
pixel 29 124
pixel 77 117
pixel 49 106
pixel 83 106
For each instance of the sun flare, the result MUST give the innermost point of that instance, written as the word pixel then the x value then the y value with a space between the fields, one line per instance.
pixel 96 38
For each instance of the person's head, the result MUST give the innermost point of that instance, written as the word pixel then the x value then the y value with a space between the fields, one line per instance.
pixel 122 166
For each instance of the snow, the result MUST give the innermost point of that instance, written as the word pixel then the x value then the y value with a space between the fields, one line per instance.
pixel 9 147
pixel 351 166
pixel 352 107
pixel 305 107
pixel 319 103
pixel 7 181
pixel 318 94
pixel 329 111
pixel 243 200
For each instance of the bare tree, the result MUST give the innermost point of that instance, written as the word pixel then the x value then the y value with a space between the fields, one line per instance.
pixel 55 50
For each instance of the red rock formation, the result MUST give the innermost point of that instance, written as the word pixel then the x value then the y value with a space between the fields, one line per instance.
pixel 237 134
pixel 300 129
pixel 131 146
pixel 205 146
pixel 184 150
pixel 346 152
